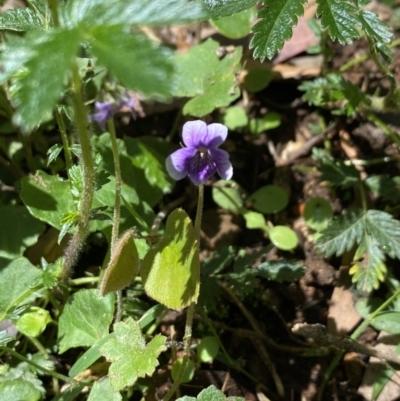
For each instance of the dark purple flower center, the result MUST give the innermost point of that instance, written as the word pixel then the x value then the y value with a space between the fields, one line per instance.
pixel 202 163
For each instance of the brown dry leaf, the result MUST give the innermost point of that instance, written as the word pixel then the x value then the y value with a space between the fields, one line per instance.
pixel 287 71
pixel 342 316
pixel 386 344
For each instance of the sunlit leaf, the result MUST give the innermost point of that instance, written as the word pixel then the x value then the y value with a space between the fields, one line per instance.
pixel 85 319
pixel 277 18
pixel 223 8
pixel 129 354
pixel 170 270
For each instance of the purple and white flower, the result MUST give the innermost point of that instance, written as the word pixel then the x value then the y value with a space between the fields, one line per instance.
pixel 103 112
pixel 201 158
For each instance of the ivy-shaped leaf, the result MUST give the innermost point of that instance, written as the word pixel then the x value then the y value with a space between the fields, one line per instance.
pixel 339 18
pixel 278 17
pixel 129 354
pixel 223 8
pixel 342 234
pixel 210 81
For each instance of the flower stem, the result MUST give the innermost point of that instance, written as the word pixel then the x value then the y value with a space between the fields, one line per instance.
pixel 190 311
pixel 85 206
pixel 118 184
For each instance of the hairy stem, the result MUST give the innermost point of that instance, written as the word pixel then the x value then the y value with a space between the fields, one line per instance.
pixel 64 138
pixel 85 206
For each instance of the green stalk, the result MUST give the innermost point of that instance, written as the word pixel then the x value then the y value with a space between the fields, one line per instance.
pixel 118 184
pixel 64 138
pixel 190 311
pixel 85 206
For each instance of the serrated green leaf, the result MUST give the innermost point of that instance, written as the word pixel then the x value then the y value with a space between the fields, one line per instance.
pixel 281 270
pixel 335 171
pixel 85 319
pixel 18 231
pixel 385 231
pixel 235 26
pixel 223 8
pixel 102 391
pixel 339 18
pixel 47 198
pixel 18 389
pixel 21 20
pixel 374 27
pixel 41 86
pixel 132 12
pixel 342 234
pixel 211 394
pixel 17 277
pixel 170 270
pixel 136 61
pixel 129 354
pixel 123 266
pixel 210 81
pixel 278 17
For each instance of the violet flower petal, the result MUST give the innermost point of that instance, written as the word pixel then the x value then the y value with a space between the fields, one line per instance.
pixel 216 135
pixel 178 162
pixel 201 167
pixel 223 165
pixel 194 133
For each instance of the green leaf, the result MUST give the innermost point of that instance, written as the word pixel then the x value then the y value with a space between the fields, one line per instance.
pixel 70 394
pixel 269 121
pixel 342 234
pixel 335 171
pixel 388 321
pixel 136 61
pixel 86 319
pixel 18 389
pixel 339 18
pixel 18 231
pixel 33 321
pixel 211 394
pixel 129 354
pixel 21 20
pixel 207 349
pixel 277 18
pixel 385 187
pixel 255 220
pixel 47 198
pixel 223 8
pixel 374 28
pixel 188 373
pixel 41 86
pixel 133 12
pixel 89 357
pixel 317 213
pixel 258 79
pixel 283 238
pixel 235 117
pixel 210 81
pixel 235 26
pixel 228 195
pixel 269 199
pixel 102 391
pixel 17 277
pixel 170 270
pixel 281 270
pixel 123 266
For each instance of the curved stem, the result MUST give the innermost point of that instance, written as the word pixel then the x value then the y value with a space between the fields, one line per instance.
pixel 190 311
pixel 85 206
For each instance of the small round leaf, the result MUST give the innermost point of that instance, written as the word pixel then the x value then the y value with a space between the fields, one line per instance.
pixel 227 194
pixel 34 321
pixel 283 238
pixel 269 199
pixel 187 374
pixel 235 117
pixel 207 349
pixel 317 213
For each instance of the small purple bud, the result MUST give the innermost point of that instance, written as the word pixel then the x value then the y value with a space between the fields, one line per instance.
pixel 201 158
pixel 103 112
